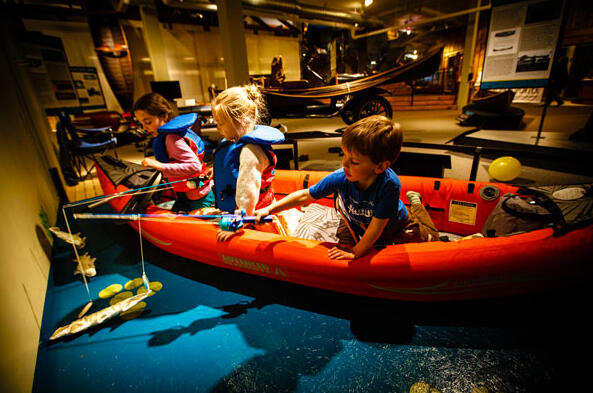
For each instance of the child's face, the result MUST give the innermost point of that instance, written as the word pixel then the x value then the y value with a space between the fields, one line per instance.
pixel 226 128
pixel 150 123
pixel 360 168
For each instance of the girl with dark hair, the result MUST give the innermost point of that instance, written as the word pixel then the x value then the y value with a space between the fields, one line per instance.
pixel 178 152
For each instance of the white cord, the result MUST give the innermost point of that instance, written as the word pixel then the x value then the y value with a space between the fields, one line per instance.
pixel 144 277
pixel 82 273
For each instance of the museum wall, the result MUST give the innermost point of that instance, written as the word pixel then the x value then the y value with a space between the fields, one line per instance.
pixel 195 58
pixel 262 48
pixel 79 48
pixel 27 203
pixel 193 55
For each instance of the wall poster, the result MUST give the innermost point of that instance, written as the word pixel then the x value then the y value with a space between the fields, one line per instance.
pixel 522 39
pixel 87 86
pixel 48 68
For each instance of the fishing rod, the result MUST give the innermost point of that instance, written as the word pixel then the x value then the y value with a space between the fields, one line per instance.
pixel 101 199
pixel 227 222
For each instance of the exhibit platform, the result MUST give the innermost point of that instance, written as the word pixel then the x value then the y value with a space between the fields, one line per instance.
pixel 314 144
pixel 551 150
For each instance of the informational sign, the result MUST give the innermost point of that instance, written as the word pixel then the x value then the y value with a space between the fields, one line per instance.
pixel 463 212
pixel 521 43
pixel 48 68
pixel 87 86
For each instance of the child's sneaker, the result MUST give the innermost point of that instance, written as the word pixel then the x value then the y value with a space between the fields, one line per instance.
pixel 414 197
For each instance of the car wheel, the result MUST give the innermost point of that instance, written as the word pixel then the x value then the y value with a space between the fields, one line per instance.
pixel 348 112
pixel 373 105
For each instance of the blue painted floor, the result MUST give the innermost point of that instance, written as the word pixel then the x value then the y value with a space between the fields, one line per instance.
pixel 212 330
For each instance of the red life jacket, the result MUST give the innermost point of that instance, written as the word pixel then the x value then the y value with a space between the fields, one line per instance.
pixel 180 126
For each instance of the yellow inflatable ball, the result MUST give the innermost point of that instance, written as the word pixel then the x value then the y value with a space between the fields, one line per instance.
pixel 505 168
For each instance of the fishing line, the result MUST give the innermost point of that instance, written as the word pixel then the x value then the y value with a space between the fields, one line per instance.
pixel 82 272
pixel 105 198
pixel 144 278
pixel 126 193
pixel 113 196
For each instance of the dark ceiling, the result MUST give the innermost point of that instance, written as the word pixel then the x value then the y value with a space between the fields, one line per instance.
pixel 345 14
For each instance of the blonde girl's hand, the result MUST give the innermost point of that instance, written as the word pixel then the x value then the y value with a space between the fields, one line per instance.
pixel 151 162
pixel 223 236
pixel 342 253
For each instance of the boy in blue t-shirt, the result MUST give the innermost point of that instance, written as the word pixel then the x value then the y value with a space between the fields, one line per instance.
pixel 367 193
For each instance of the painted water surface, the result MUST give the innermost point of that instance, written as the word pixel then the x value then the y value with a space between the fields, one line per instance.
pixel 212 330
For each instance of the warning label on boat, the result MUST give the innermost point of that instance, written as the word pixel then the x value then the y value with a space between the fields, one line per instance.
pixel 463 212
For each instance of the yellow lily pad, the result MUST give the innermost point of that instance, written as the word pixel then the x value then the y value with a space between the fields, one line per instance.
pixel 120 296
pixel 154 285
pixel 133 312
pixel 142 290
pixel 110 291
pixel 133 284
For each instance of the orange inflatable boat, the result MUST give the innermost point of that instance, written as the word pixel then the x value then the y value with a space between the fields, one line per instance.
pixel 470 268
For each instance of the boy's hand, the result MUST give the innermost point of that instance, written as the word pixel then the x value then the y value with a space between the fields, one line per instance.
pixel 343 253
pixel 259 213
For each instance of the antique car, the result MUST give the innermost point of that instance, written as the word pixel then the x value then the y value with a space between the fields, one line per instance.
pixel 351 99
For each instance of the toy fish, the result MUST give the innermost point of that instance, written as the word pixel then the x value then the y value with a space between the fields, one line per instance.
pixel 99 317
pixel 88 265
pixel 79 242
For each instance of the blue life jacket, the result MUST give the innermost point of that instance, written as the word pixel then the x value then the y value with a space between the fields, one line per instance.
pixel 181 126
pixel 226 166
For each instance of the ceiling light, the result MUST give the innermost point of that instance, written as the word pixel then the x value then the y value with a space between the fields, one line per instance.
pixel 368 2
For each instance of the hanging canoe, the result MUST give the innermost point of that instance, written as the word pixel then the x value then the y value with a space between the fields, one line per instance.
pixel 471 268
pixel 112 49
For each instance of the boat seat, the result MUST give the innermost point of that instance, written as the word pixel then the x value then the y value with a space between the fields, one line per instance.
pixel 296 84
pixel 318 223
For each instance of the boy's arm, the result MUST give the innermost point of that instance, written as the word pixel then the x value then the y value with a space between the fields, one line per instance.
pixel 371 235
pixel 297 198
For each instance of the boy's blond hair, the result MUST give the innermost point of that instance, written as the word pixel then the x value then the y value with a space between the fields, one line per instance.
pixel 243 106
pixel 376 137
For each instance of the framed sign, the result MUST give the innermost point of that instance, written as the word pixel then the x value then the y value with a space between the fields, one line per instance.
pixel 522 39
pixel 48 69
pixel 87 87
